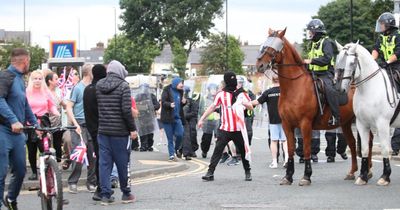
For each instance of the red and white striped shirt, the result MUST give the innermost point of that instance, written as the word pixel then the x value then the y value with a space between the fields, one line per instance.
pixel 228 117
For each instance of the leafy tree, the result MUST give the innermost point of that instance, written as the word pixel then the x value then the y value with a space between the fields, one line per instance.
pixel 38 54
pixel 180 57
pixel 214 57
pixel 137 54
pixel 336 17
pixel 164 20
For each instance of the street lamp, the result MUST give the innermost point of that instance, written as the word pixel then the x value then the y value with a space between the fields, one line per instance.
pixel 226 34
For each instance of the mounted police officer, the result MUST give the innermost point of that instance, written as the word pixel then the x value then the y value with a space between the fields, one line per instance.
pixel 320 62
pixel 387 46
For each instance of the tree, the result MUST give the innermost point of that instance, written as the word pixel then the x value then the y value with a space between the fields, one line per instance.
pixel 137 54
pixel 336 17
pixel 180 57
pixel 214 59
pixel 162 21
pixel 38 54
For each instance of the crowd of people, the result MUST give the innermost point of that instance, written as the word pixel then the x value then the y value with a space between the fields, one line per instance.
pixel 110 120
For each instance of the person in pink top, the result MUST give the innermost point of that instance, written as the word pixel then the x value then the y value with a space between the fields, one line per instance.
pixel 42 104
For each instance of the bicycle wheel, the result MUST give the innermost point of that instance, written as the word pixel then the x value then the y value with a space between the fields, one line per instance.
pixel 54 198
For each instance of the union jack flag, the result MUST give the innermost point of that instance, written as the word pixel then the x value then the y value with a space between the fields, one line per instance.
pixel 65 84
pixel 79 154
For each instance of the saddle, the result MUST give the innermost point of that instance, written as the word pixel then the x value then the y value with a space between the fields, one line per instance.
pixel 342 97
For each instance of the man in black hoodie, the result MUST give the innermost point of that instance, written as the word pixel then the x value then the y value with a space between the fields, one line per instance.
pixel 92 117
pixel 116 125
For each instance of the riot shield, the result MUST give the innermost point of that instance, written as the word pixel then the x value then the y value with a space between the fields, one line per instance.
pixel 209 90
pixel 146 121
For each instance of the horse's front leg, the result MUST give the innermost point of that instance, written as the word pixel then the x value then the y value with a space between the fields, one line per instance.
pixel 289 131
pixel 364 134
pixel 306 131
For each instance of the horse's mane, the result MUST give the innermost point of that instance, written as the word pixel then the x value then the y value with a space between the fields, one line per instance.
pixel 295 54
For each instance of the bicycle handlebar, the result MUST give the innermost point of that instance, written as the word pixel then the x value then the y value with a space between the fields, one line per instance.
pixel 49 129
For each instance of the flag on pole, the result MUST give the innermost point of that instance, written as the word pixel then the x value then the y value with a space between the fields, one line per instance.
pixel 79 154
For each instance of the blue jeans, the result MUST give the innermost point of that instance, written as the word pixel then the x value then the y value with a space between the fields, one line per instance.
pixel 113 149
pixel 12 153
pixel 171 130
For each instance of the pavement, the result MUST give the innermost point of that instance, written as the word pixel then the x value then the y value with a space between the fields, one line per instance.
pixel 143 164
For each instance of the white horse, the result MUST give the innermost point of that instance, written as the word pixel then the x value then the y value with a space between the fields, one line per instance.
pixel 374 103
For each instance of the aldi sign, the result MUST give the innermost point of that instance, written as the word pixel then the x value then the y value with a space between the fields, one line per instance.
pixel 63 49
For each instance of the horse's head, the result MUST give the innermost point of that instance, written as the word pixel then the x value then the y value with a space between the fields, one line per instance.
pixel 271 51
pixel 346 65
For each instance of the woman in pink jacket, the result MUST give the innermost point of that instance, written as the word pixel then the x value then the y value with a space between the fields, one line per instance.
pixel 42 104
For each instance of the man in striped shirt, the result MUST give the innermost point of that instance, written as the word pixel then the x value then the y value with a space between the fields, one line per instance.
pixel 230 128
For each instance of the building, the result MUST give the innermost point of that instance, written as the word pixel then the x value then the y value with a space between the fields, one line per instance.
pixel 9 36
pixel 163 62
pixel 94 55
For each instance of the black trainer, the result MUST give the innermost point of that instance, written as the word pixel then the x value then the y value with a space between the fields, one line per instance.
pixel 330 159
pixel 107 201
pixel 344 156
pixel 248 176
pixel 225 157
pixel 209 176
pixel 11 205
pixel 301 160
pixel 204 155
pixel 314 158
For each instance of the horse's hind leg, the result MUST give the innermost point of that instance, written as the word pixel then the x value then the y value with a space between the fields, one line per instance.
pixel 364 134
pixel 384 136
pixel 289 131
pixel 348 134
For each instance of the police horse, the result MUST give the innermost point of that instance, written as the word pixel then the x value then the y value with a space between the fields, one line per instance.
pixel 374 103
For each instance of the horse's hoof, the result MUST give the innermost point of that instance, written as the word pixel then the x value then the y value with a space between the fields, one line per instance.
pixel 370 175
pixel 285 181
pixel 360 181
pixel 350 177
pixel 383 182
pixel 305 182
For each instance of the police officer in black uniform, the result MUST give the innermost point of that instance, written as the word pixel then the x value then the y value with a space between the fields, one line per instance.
pixel 387 46
pixel 320 62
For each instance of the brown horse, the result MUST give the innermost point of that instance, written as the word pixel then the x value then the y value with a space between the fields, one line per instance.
pixel 298 106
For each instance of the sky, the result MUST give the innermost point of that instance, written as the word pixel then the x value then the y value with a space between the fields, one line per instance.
pixel 60 19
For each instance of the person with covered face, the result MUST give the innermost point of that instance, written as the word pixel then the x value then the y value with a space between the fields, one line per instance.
pixel 230 128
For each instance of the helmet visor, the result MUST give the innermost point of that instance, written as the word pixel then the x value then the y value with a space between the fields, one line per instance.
pixel 309 34
pixel 380 27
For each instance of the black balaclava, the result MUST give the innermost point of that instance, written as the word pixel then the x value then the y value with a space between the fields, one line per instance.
pixel 230 82
pixel 99 72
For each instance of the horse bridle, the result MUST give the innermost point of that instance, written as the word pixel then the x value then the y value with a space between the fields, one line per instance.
pixel 366 79
pixel 276 44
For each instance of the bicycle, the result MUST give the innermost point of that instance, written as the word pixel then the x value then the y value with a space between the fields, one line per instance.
pixel 50 188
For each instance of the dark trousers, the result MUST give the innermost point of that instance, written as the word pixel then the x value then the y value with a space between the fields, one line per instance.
pixel 96 152
pixel 315 143
pixel 223 138
pixel 114 149
pixel 189 144
pixel 332 96
pixel 206 142
pixel 146 141
pixel 76 166
pixel 396 140
pixel 331 149
pixel 57 143
pixel 33 144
